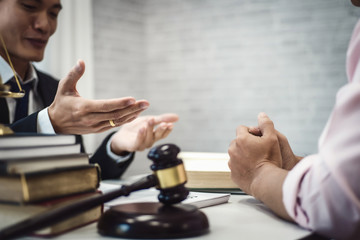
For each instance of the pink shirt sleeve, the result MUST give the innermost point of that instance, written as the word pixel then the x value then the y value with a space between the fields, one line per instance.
pixel 322 192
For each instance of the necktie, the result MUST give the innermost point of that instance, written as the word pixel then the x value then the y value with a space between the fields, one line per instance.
pixel 22 104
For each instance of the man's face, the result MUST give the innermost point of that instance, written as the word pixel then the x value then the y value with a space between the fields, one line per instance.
pixel 26 26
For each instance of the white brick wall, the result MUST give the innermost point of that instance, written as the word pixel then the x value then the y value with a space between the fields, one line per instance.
pixel 217 63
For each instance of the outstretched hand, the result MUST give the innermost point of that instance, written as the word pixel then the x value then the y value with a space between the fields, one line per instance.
pixel 72 114
pixel 142 133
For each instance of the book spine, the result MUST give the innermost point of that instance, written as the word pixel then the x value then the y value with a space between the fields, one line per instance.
pixel 25 188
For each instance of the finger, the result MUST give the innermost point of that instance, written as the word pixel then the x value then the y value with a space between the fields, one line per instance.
pixel 118 116
pixel 266 126
pixel 242 130
pixel 98 128
pixel 229 164
pixel 149 139
pixel 231 150
pixel 106 125
pixel 130 119
pixel 126 119
pixel 68 84
pixel 162 131
pixel 255 131
pixel 92 121
pixel 167 132
pixel 111 105
pixel 141 135
pixel 167 117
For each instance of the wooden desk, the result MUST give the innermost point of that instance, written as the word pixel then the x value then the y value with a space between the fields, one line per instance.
pixel 243 217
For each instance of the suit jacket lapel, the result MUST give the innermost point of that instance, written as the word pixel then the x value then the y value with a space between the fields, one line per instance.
pixel 47 88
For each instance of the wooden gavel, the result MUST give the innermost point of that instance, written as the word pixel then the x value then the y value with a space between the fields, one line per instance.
pixel 168 176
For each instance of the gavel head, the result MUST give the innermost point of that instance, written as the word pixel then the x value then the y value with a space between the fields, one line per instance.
pixel 170 173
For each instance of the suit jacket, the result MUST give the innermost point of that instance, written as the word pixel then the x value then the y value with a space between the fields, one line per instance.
pixel 47 88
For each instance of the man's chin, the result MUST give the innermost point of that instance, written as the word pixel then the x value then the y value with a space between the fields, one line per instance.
pixel 35 57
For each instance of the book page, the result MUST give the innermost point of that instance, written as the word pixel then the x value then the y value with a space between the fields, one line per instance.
pixel 205 161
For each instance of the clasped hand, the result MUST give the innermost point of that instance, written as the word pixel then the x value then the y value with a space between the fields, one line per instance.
pixel 255 147
pixel 250 152
pixel 259 160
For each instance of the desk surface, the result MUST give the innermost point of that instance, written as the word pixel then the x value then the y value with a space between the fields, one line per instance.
pixel 243 217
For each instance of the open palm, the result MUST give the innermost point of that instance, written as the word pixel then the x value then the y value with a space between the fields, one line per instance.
pixel 142 133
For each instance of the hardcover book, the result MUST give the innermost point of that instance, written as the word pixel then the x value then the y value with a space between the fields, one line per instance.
pixel 9 153
pixel 12 213
pixel 34 164
pixel 48 184
pixel 34 139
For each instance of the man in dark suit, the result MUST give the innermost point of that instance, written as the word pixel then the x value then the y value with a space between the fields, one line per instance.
pixel 56 107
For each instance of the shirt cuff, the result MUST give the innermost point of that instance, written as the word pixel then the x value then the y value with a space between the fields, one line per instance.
pixel 43 122
pixel 291 189
pixel 115 157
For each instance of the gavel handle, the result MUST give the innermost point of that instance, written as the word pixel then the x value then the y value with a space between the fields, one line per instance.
pixel 59 214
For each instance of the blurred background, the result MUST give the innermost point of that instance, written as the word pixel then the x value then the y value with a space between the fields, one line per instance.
pixel 215 63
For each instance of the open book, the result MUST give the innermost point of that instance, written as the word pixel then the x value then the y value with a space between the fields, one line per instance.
pixel 198 199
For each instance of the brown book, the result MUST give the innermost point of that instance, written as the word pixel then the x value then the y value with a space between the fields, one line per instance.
pixel 11 214
pixel 207 170
pixel 34 164
pixel 48 184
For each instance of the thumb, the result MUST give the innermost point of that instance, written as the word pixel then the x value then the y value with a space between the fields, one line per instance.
pixel 266 126
pixel 68 84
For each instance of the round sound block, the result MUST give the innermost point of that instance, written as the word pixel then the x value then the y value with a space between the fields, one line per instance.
pixel 153 220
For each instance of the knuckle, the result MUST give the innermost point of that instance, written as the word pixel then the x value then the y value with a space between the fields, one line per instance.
pixel 78 110
pixel 119 116
pixel 231 150
pixel 229 164
pixel 273 139
pixel 240 138
pixel 148 145
pixel 76 115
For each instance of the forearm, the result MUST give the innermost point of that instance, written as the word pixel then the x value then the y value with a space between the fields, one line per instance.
pixel 267 187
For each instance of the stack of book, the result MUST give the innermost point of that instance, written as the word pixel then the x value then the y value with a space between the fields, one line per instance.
pixel 39 172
